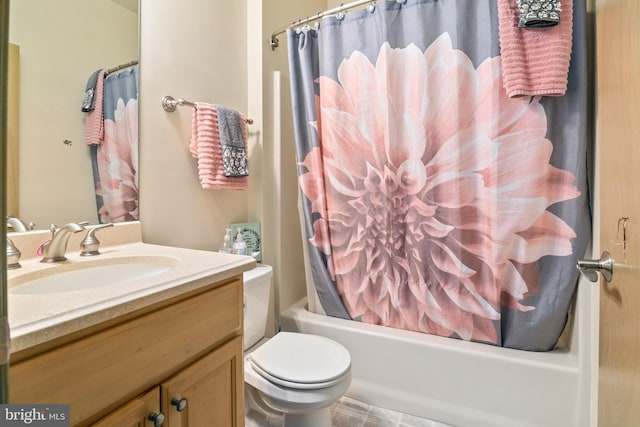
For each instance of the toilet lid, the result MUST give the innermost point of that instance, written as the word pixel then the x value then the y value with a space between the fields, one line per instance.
pixel 301 360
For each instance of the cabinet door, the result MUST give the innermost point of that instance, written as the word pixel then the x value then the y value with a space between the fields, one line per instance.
pixel 134 413
pixel 212 389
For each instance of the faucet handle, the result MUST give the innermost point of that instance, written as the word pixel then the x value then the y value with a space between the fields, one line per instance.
pixel 13 255
pixel 90 243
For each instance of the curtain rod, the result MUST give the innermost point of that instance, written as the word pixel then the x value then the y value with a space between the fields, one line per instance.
pixel 274 43
pixel 120 67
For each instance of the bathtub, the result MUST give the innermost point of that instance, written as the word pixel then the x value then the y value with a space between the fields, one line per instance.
pixel 467 384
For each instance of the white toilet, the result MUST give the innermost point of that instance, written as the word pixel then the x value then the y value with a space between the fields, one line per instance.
pixel 297 375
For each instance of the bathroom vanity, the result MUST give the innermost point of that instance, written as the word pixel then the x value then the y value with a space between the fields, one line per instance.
pixel 166 347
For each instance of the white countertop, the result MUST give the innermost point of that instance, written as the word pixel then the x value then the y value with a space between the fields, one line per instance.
pixel 37 318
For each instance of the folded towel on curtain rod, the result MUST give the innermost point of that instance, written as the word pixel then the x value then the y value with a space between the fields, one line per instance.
pixel 94 122
pixel 535 61
pixel 206 147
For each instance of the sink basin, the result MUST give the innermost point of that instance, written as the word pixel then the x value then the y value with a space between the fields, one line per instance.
pixel 89 275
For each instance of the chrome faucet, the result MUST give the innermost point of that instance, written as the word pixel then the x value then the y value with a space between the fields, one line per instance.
pixel 54 249
pixel 17 224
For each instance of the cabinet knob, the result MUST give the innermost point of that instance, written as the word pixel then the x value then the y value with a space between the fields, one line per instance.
pixel 158 419
pixel 180 404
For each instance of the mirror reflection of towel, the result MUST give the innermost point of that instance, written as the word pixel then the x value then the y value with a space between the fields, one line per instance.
pixel 234 155
pixel 89 100
pixel 94 122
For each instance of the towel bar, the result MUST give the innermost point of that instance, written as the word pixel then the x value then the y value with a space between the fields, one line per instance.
pixel 169 103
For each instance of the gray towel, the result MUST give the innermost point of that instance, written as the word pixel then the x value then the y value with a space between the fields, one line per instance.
pixel 89 100
pixel 234 154
pixel 539 13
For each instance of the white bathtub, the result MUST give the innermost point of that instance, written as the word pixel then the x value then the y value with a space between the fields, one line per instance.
pixel 462 383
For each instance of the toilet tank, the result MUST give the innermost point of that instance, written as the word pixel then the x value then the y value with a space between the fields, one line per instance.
pixel 257 292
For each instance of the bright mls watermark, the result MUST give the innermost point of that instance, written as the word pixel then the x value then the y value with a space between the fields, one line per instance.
pixel 34 415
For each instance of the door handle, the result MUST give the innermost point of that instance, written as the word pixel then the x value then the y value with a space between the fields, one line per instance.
pixel 591 267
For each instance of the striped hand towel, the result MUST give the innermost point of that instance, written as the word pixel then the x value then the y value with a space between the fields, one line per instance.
pixel 535 61
pixel 94 122
pixel 206 147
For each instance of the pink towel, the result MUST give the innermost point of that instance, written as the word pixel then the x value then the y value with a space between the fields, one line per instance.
pixel 205 146
pixel 94 122
pixel 535 61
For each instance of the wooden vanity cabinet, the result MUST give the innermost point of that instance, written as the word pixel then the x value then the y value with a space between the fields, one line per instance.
pixel 189 347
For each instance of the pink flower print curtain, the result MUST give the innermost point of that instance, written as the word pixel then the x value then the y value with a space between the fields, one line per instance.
pixel 433 201
pixel 115 160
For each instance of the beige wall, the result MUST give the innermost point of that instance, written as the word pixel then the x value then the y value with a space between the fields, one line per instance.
pixel 61 44
pixel 217 51
pixel 218 57
pixel 197 50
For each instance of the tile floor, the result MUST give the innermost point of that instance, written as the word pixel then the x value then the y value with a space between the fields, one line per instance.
pixel 351 413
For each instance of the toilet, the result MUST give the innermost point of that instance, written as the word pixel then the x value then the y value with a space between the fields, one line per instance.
pixel 298 376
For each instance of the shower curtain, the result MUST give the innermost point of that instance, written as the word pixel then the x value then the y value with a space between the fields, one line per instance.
pixel 432 201
pixel 115 160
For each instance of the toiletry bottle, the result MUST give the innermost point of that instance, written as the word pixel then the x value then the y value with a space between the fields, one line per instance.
pixel 240 246
pixel 226 245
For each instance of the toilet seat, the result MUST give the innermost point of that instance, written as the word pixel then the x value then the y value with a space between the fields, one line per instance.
pixel 301 361
pixel 294 385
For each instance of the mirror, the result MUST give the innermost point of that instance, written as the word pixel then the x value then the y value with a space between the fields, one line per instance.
pixel 58 45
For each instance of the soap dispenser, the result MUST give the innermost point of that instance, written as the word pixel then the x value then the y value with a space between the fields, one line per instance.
pixel 240 246
pixel 226 244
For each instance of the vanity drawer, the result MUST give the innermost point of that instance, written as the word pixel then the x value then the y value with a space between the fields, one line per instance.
pixel 97 373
